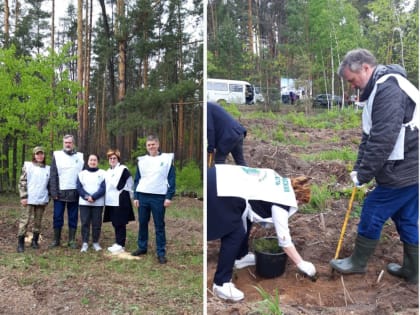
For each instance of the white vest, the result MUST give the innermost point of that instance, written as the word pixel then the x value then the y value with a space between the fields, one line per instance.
pixel 154 172
pixel 37 181
pixel 412 92
pixel 255 184
pixel 112 177
pixel 91 181
pixel 68 167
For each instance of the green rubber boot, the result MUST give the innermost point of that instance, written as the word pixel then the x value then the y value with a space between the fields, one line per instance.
pixel 21 244
pixel 410 267
pixel 57 239
pixel 35 239
pixel 72 239
pixel 357 262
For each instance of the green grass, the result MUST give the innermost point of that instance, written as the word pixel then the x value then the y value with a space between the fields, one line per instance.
pixel 344 154
pixel 270 303
pixel 334 119
pixel 320 200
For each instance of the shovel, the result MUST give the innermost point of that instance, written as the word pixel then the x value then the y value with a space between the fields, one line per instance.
pixel 343 229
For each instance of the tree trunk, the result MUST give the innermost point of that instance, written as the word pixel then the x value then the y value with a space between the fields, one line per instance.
pixel 121 48
pixel 192 132
pixel 4 179
pixel 121 38
pixel 111 69
pixel 53 25
pixel 180 134
pixel 250 31
pixel 6 23
pixel 17 14
pixel 14 163
pixel 87 53
pixel 80 63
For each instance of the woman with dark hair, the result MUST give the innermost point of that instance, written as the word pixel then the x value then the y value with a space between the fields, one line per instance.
pixel 91 189
pixel 33 190
pixel 118 207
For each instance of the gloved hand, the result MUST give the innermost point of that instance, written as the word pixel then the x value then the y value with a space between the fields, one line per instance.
pixel 307 268
pixel 353 176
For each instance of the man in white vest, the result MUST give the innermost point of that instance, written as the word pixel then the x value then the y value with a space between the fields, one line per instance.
pixel 154 188
pixel 65 167
pixel 388 153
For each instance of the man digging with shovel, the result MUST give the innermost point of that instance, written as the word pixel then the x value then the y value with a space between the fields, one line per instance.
pixel 388 152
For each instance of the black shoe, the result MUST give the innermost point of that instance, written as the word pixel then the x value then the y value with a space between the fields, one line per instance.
pixel 139 252
pixel 162 260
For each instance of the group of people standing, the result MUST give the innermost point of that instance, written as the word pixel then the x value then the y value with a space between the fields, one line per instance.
pixel 86 188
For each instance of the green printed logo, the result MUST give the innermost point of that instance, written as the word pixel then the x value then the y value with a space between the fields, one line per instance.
pixel 286 186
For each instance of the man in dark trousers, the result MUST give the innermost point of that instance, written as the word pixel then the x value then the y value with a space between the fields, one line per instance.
pixel 65 167
pixel 388 153
pixel 224 134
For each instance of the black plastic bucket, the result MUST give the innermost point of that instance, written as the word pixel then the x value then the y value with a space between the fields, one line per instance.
pixel 269 264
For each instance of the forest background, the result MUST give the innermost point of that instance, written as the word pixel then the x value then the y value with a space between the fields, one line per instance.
pixel 136 69
pixel 110 79
pixel 262 41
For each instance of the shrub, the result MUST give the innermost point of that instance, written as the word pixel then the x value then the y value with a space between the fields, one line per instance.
pixel 188 179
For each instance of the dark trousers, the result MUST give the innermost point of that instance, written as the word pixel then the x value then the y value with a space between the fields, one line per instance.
pixel 236 151
pixel 229 248
pixel 120 234
pixel 152 204
pixel 244 248
pixel 72 212
pixel 399 204
pixel 91 216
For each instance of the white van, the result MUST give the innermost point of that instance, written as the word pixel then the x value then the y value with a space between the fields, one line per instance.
pixel 230 91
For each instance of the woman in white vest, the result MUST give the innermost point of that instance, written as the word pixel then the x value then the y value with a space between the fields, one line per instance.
pixel 118 207
pixel 33 190
pixel 235 193
pixel 91 189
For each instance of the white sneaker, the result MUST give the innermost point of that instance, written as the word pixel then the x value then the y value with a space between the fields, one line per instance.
pixel 247 260
pixel 96 247
pixel 116 249
pixel 111 248
pixel 228 292
pixel 84 248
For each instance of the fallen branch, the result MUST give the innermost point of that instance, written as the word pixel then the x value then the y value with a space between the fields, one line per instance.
pixel 319 298
pixel 380 276
pixel 275 152
pixel 321 216
pixel 346 292
pixel 251 273
pixel 315 243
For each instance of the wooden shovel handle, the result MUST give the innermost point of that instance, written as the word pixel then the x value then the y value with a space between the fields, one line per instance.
pixel 343 229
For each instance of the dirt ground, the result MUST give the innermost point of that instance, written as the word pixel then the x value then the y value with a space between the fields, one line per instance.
pixel 316 237
pixel 97 289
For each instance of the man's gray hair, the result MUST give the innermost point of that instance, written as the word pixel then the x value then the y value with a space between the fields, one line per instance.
pixel 354 60
pixel 68 136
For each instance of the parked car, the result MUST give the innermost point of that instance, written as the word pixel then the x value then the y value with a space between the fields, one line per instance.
pixel 325 100
pixel 258 95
